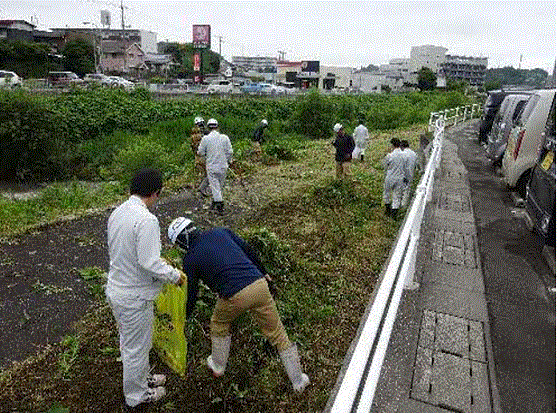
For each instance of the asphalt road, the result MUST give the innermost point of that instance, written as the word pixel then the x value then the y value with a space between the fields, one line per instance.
pixel 518 284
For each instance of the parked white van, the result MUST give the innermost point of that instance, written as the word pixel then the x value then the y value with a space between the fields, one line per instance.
pixel 525 140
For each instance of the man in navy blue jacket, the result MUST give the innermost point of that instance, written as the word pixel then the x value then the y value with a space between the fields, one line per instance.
pixel 231 269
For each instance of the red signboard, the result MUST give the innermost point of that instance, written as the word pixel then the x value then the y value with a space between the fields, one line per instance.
pixel 196 62
pixel 201 36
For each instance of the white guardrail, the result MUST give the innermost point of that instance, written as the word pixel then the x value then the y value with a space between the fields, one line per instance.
pixel 356 388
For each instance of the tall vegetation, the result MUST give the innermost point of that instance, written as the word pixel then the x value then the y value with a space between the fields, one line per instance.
pixel 100 133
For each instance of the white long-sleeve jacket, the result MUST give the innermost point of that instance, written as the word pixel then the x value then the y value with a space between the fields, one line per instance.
pixel 134 246
pixel 394 164
pixel 361 136
pixel 217 150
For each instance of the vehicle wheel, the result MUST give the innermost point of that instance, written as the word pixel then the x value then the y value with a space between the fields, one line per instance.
pixel 520 186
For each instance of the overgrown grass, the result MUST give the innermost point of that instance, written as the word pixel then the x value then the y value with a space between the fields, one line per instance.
pixel 55 201
pixel 324 242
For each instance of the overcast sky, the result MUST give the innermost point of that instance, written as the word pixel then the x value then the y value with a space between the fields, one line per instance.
pixel 337 33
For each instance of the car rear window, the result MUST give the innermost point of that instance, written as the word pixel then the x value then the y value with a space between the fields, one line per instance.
pixel 518 110
pixel 528 108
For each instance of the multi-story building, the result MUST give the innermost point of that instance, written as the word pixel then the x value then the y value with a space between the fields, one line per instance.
pixel 257 63
pixel 119 50
pixel 470 69
pixel 426 56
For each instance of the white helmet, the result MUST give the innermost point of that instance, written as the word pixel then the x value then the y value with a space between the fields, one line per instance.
pixel 337 127
pixel 198 120
pixel 264 122
pixel 177 226
pixel 212 123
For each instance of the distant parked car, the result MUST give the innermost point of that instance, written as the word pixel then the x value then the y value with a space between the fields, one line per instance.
pixel 540 191
pixel 221 86
pixel 98 78
pixel 251 88
pixel 9 79
pixel 525 140
pixel 118 81
pixel 269 89
pixel 506 117
pixel 63 79
pixel 290 88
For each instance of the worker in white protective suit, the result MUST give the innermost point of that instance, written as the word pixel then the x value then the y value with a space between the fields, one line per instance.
pixel 411 158
pixel 361 136
pixel 217 150
pixel 135 277
pixel 394 165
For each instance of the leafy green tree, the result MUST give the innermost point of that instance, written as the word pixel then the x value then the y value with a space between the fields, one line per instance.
pixel 79 57
pixel 25 58
pixel 426 79
pixel 182 53
pixel 510 76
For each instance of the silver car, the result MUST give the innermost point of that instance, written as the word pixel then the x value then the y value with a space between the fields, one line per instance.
pixel 504 120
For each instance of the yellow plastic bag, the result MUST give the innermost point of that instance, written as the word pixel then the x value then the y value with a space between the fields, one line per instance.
pixel 169 339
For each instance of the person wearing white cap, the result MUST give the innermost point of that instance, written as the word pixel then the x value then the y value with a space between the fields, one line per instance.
pixel 259 136
pixel 217 151
pixel 230 268
pixel 344 145
pixel 135 277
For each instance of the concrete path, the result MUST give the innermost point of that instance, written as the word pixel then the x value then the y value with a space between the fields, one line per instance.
pixel 440 358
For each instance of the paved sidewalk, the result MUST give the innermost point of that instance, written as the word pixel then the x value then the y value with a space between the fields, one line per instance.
pixel 440 358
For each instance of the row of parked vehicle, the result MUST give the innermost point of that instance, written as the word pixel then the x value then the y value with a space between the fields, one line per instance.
pixel 518 131
pixel 253 88
pixel 65 79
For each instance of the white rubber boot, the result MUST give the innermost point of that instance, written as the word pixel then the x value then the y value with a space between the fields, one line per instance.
pixel 291 361
pixel 219 355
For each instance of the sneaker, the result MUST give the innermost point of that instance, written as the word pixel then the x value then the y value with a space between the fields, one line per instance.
pixel 154 395
pixel 156 380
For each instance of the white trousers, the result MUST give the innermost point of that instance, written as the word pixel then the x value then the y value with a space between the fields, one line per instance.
pixel 216 183
pixel 134 318
pixel 359 149
pixel 393 192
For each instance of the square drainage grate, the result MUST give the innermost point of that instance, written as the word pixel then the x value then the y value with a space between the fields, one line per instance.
pixel 454 202
pixel 455 248
pixel 451 370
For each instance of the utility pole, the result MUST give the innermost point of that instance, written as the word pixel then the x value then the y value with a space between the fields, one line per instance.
pixel 220 50
pixel 124 45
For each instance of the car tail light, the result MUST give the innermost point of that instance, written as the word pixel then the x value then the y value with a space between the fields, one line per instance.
pixel 519 142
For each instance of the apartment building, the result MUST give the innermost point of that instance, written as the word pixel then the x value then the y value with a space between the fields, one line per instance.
pixel 470 69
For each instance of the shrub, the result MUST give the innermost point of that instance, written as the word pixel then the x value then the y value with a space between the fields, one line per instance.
pixel 32 139
pixel 145 153
pixel 314 116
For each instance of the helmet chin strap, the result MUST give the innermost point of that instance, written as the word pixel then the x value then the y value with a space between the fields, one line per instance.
pixel 181 244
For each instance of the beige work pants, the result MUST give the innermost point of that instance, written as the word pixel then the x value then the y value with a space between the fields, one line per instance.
pixel 255 299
